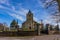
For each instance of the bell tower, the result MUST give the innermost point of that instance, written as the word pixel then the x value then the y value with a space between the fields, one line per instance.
pixel 29 20
pixel 29 16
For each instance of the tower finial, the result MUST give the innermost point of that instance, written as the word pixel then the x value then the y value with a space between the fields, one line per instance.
pixel 29 11
pixel 41 21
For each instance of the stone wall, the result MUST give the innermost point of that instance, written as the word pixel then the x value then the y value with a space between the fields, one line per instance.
pixel 20 33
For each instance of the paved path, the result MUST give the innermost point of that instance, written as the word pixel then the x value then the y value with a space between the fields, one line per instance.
pixel 47 37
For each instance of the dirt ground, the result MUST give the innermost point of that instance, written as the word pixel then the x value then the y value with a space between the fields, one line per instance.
pixel 45 37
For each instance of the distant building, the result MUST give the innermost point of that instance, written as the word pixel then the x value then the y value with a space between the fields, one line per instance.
pixel 50 30
pixel 29 24
pixel 14 25
pixel 6 28
pixel 1 27
pixel 57 28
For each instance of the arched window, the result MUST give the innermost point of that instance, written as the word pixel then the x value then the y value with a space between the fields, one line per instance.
pixel 29 27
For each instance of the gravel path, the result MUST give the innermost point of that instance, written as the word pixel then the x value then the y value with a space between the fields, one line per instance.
pixel 47 37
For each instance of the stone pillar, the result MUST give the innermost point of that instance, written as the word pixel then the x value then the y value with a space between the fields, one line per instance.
pixel 40 27
pixel 39 30
pixel 49 30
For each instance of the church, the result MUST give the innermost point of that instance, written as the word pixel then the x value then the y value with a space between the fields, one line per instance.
pixel 29 24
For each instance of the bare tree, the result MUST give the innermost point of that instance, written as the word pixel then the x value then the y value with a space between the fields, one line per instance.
pixel 55 15
pixel 47 4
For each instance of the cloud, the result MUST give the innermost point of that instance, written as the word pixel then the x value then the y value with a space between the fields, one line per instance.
pixel 1 6
pixel 5 2
pixel 23 11
pixel 17 16
pixel 13 8
pixel 43 2
pixel 36 19
pixel 0 19
pixel 47 21
pixel 40 3
pixel 46 3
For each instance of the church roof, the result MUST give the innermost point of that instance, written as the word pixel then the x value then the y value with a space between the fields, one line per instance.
pixel 29 12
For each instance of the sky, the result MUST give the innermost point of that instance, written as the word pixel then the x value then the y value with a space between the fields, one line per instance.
pixel 17 9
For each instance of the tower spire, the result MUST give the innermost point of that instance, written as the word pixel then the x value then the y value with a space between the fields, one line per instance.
pixel 29 12
pixel 41 22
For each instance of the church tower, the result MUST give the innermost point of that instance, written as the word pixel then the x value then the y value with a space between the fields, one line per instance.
pixel 30 20
pixel 14 25
pixel 29 24
pixel 29 16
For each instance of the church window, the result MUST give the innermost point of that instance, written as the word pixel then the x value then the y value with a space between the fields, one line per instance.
pixel 29 15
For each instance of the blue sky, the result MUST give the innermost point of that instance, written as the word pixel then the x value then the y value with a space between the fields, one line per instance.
pixel 17 9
